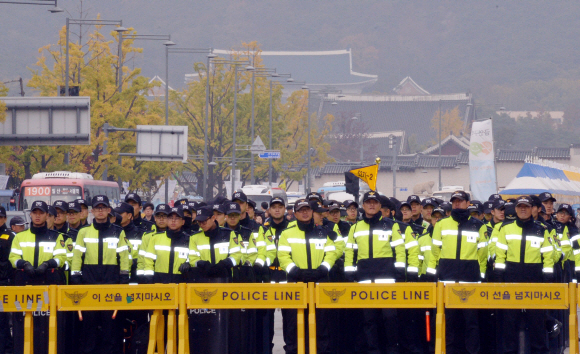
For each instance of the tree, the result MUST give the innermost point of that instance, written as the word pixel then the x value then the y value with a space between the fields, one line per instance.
pixel 451 123
pixel 189 109
pixel 98 68
pixel 349 136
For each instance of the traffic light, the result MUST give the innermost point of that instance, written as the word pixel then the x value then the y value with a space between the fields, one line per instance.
pixel 351 184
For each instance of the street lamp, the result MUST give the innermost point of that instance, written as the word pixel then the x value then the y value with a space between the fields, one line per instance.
pixel 254 72
pixel 53 10
pixel 147 37
pixel 235 63
pixel 209 55
pixel 289 81
pixel 71 21
pixel 357 119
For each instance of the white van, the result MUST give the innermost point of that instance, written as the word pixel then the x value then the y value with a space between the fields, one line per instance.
pixel 259 194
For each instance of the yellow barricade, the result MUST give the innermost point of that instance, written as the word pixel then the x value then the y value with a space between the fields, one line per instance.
pixel 505 296
pixel 354 295
pixel 243 296
pixel 27 299
pixel 157 297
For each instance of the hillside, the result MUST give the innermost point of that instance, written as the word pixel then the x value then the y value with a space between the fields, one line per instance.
pixel 518 53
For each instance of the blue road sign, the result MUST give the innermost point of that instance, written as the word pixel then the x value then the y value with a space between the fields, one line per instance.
pixel 270 155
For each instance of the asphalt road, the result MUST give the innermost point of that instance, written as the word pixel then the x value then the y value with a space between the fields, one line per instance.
pixel 278 337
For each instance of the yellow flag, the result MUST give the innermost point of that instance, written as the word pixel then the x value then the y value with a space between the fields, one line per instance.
pixel 282 185
pixel 368 174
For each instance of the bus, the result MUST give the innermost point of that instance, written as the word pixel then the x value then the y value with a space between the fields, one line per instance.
pixel 65 185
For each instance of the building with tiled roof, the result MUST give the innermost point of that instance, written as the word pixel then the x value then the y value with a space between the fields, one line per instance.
pixel 319 69
pixel 157 91
pixel 408 87
pixel 409 115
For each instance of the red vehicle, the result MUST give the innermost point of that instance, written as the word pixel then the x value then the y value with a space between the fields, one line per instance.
pixel 65 185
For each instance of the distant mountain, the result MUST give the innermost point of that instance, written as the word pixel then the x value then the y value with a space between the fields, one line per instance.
pixel 484 47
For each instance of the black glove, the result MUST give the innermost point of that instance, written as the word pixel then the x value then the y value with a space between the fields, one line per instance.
pixel 309 275
pixel 226 263
pixel 41 269
pixel 27 267
pixel 294 274
pixel 350 277
pixel 429 278
pixel 259 269
pixel 202 264
pixel 399 274
pixel 124 278
pixel 498 275
pixel 75 279
pixel 321 272
pixel 548 277
pixel 184 267
pixel 412 277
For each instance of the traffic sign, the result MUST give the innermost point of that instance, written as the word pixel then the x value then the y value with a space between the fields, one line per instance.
pixel 270 154
pixel 257 146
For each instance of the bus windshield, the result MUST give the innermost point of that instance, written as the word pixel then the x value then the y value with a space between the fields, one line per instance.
pixel 50 194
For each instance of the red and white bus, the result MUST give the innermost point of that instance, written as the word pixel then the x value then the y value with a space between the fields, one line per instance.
pixel 67 186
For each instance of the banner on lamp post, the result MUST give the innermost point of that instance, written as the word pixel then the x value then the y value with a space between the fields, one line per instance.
pixel 482 174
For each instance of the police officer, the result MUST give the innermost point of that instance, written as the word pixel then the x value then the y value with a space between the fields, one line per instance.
pixel 38 254
pixel 459 253
pixel 6 271
pixel 475 209
pixel 60 223
pixel 351 211
pixel 220 214
pixel 563 232
pixel 160 215
pixel 243 335
pixel 101 256
pixel 167 257
pixel 524 255
pixel 84 211
pixel 381 259
pixel 487 215
pixel 307 254
pixel 273 227
pixel 50 217
pixel 149 209
pixel 257 230
pixel 213 252
pixel 417 211
pixel 133 234
pixel 135 201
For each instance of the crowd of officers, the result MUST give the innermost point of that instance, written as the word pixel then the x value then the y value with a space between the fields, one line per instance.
pixel 382 241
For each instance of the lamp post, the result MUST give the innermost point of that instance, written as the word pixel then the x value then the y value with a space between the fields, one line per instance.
pixel 355 119
pixel 209 55
pixel 146 37
pixel 254 72
pixel 70 21
pixel 235 63
pixel 53 10
pixel 288 81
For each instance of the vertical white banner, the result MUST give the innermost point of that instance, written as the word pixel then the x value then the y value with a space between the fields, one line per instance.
pixel 481 161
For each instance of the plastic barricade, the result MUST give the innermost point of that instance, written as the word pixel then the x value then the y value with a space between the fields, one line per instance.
pixel 506 296
pixel 242 296
pixel 156 297
pixel 27 299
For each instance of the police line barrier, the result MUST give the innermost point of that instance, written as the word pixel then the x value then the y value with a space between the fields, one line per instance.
pixel 159 297
pixel 27 299
pixel 506 296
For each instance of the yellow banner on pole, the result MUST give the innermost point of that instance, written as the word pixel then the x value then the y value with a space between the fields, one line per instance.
pixel 368 174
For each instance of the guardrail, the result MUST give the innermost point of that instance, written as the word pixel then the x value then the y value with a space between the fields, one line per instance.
pixel 300 296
